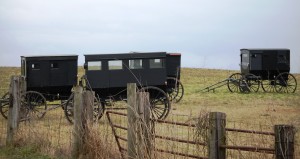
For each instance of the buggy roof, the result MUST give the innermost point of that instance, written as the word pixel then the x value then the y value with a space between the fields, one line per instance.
pixel 266 49
pixel 51 57
pixel 133 55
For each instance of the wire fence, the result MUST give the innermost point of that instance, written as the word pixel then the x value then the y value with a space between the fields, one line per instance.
pixel 53 135
pixel 178 137
pixel 257 142
pixel 186 137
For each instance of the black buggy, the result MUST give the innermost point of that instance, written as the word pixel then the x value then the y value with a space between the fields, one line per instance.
pixel 47 78
pixel 108 74
pixel 266 67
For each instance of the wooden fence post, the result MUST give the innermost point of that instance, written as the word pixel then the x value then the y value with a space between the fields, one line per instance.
pixel 145 128
pixel 284 141
pixel 83 118
pixel 78 132
pixel 132 127
pixel 15 90
pixel 88 105
pixel 217 137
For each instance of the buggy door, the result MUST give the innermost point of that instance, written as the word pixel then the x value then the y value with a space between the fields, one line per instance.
pixel 256 61
pixel 38 74
pixel 58 73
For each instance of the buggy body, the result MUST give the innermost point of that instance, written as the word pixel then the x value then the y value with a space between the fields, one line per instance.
pixel 265 63
pixel 268 68
pixel 108 74
pixel 52 76
pixel 157 73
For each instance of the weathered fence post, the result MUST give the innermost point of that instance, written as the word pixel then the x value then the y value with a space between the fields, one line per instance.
pixel 145 128
pixel 217 137
pixel 284 141
pixel 83 118
pixel 88 104
pixel 78 125
pixel 131 111
pixel 16 89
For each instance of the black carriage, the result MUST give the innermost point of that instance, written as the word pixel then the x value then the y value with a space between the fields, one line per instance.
pixel 47 78
pixel 156 72
pixel 266 67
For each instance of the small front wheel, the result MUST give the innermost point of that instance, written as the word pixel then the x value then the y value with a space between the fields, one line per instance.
pixel 253 82
pixel 233 83
pixel 35 104
pixel 268 86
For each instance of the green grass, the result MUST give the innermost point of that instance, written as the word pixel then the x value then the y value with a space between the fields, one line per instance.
pixel 27 152
pixel 253 109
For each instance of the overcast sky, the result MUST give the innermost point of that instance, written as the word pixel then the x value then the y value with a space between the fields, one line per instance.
pixel 208 34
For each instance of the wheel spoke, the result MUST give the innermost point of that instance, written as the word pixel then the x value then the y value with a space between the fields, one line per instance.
pixel 35 104
pixel 234 82
pixel 98 109
pixel 4 105
pixel 285 83
pixel 175 89
pixel 268 85
pixel 159 102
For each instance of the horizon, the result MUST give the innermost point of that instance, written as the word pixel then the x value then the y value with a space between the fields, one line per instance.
pixel 208 34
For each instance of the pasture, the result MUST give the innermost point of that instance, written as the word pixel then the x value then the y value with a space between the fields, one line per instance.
pixel 250 111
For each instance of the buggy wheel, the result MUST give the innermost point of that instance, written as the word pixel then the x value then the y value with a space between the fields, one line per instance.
pixel 159 102
pixel 285 83
pixel 69 109
pixel 4 105
pixel 98 109
pixel 253 82
pixel 35 104
pixel 268 86
pixel 233 83
pixel 175 89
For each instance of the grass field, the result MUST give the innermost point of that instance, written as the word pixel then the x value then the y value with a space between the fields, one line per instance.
pixel 250 109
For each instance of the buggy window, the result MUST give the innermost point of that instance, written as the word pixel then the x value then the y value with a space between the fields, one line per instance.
pixel 245 58
pixel 115 65
pixel 35 66
pixel 94 65
pixel 54 65
pixel 136 64
pixel 282 59
pixel 156 63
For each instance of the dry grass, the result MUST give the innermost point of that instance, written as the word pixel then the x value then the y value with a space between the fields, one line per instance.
pixel 257 111
pixel 98 145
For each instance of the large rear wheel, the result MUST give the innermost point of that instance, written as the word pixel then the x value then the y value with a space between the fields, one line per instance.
pixel 159 102
pixel 285 83
pixel 175 89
